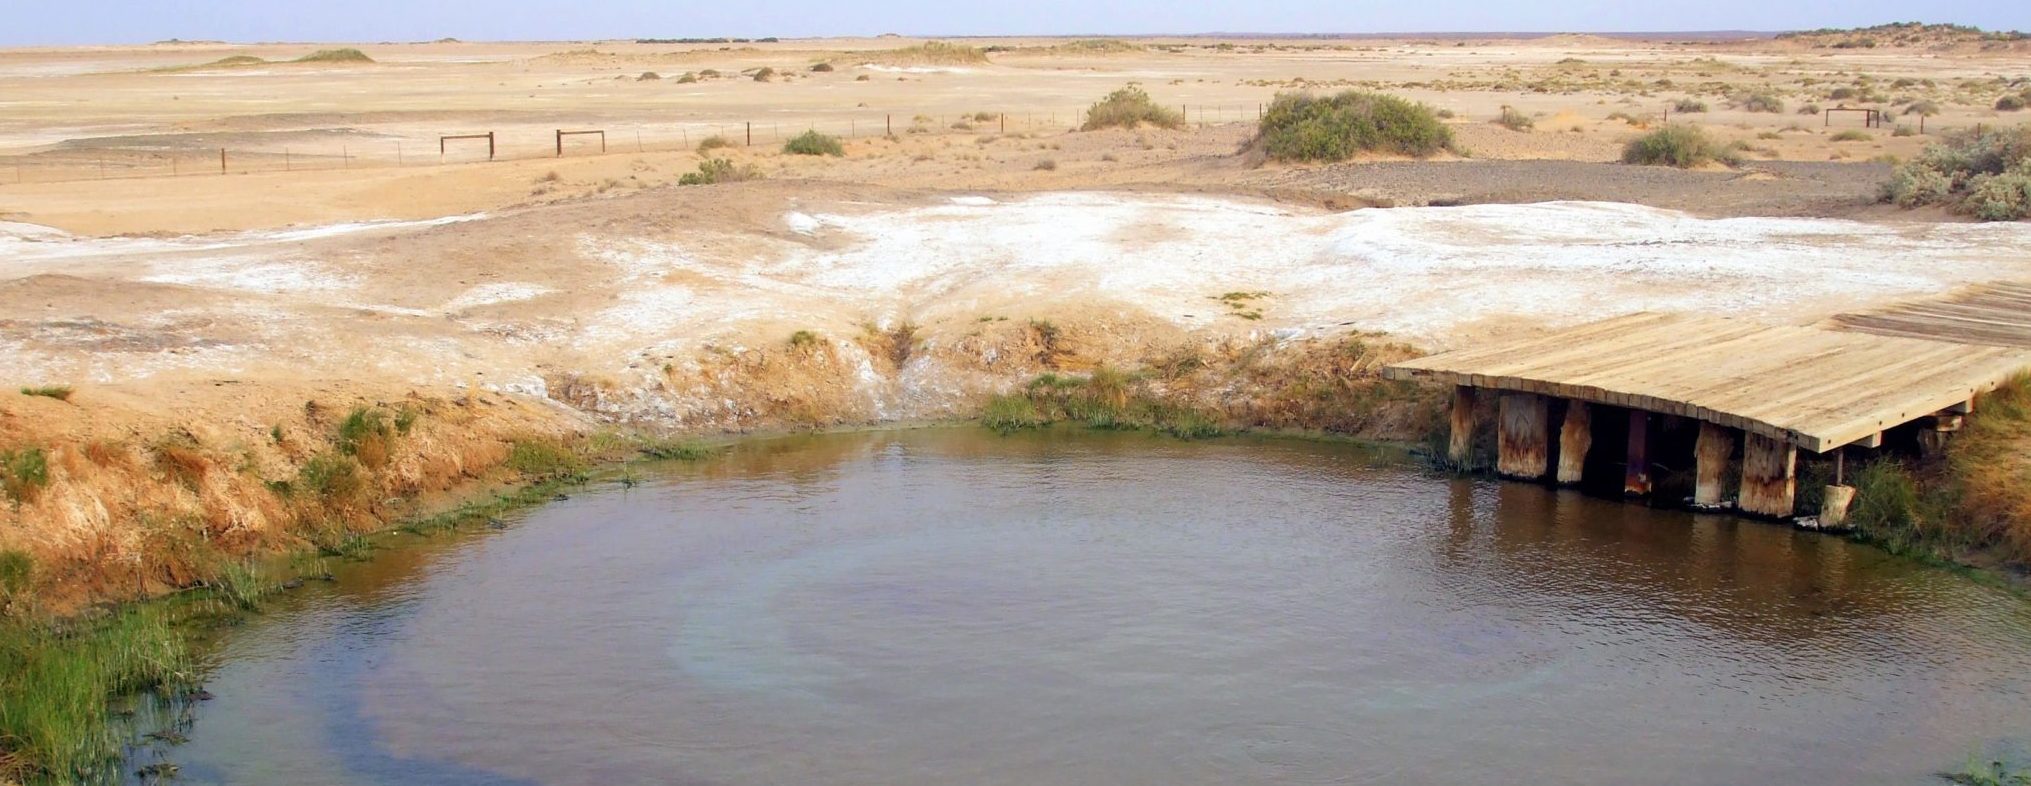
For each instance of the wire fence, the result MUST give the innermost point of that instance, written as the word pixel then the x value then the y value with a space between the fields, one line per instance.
pixel 351 150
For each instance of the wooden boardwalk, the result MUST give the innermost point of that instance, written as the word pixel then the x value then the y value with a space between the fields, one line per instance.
pixel 1816 388
pixel 1992 314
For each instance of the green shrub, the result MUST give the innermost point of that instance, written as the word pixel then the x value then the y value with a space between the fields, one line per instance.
pixel 821 68
pixel 765 74
pixel 687 79
pixel 812 143
pixel 1977 173
pixel 804 338
pixel 2004 197
pixel 1688 106
pixel 712 143
pixel 1911 186
pixel 1677 144
pixel 58 392
pixel 1852 135
pixel 23 473
pixel 648 76
pixel 1130 107
pixel 1903 130
pixel 719 170
pixel 2009 103
pixel 1304 127
pixel 1514 120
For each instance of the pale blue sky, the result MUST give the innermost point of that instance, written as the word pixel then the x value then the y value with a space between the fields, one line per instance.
pixel 129 21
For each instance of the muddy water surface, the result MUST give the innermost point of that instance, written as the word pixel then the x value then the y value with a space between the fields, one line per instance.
pixel 948 606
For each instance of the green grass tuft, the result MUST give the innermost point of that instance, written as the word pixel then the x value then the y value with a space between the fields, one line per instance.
pixel 543 459
pixel 55 714
pixel 58 392
pixel 23 473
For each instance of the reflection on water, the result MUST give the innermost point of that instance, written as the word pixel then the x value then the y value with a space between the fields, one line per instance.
pixel 947 606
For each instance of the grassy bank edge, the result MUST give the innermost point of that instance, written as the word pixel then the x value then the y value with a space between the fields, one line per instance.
pixel 63 680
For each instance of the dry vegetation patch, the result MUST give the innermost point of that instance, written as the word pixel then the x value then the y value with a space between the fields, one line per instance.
pixel 1306 127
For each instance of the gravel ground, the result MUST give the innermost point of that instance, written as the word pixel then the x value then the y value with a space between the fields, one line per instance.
pixel 1771 188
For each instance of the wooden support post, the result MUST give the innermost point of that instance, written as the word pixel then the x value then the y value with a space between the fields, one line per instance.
pixel 1833 507
pixel 1769 476
pixel 1460 450
pixel 1576 437
pixel 1523 444
pixel 1636 474
pixel 1710 465
pixel 222 161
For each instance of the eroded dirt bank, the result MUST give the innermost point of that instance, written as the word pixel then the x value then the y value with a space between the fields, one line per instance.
pixel 207 381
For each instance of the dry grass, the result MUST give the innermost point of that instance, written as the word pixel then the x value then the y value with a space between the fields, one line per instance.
pixel 113 519
pixel 1990 461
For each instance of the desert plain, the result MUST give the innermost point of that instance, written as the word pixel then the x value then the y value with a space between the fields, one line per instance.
pixel 222 247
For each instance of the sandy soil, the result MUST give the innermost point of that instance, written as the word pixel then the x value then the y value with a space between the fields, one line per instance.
pixel 127 139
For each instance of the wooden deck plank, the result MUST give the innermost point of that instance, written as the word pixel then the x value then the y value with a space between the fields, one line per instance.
pixel 1815 386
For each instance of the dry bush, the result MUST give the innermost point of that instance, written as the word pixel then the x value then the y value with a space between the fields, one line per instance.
pixel 1130 107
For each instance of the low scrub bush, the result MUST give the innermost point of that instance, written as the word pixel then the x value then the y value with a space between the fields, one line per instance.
pixel 1757 101
pixel 1923 108
pixel 719 170
pixel 1678 144
pixel 1130 107
pixel 1688 106
pixel 2010 103
pixel 1514 120
pixel 1305 127
pixel 345 55
pixel 812 143
pixel 1985 174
